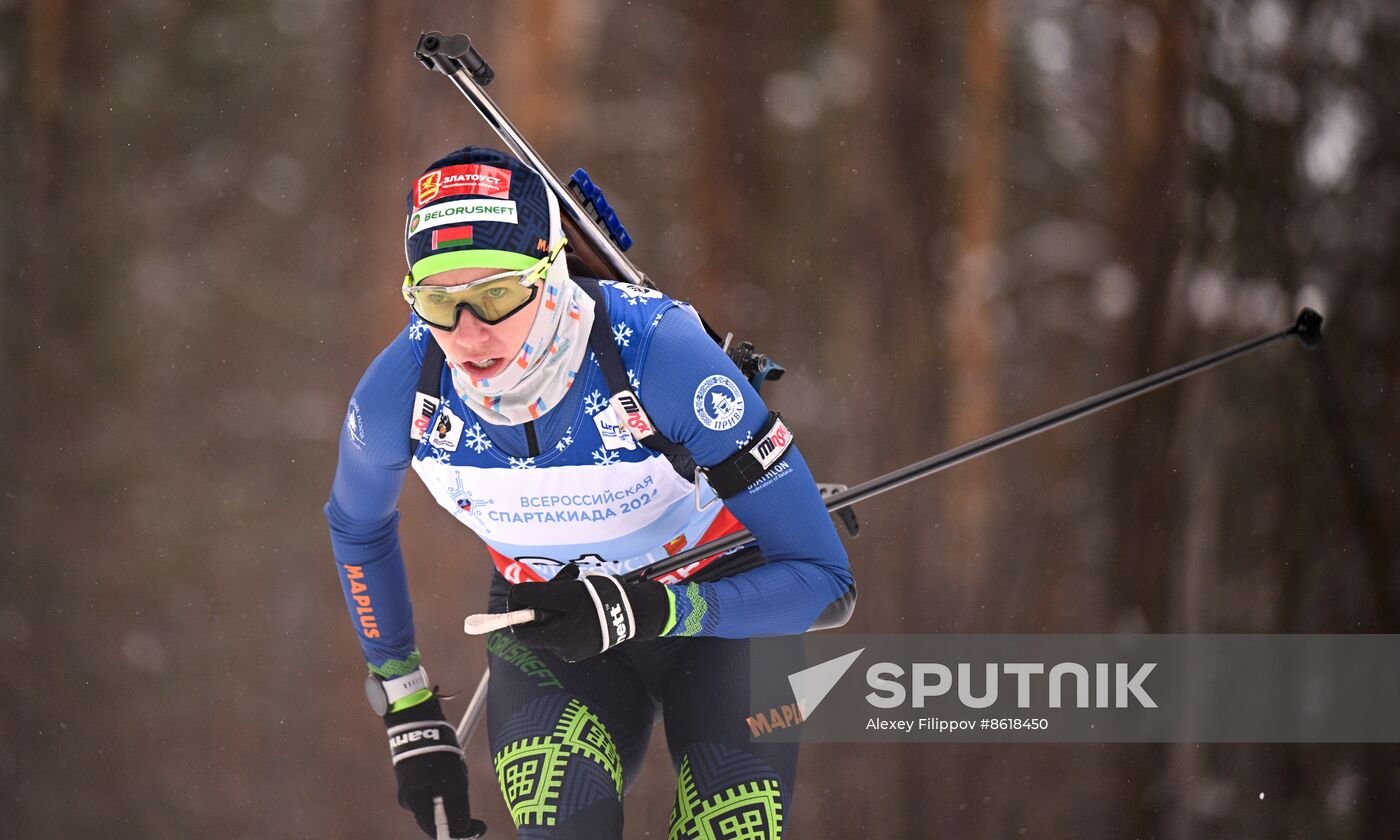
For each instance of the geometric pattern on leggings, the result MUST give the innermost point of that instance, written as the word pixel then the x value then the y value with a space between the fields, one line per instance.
pixel 725 794
pixel 546 778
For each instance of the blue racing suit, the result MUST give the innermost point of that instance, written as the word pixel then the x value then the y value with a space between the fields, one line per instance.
pixel 583 491
pixel 572 485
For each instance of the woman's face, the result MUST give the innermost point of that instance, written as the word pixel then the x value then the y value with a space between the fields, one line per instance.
pixel 474 344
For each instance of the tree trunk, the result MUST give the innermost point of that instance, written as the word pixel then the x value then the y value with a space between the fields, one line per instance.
pixel 971 353
pixel 1147 169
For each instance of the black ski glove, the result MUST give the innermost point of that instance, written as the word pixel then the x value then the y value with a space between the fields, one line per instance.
pixel 582 617
pixel 428 763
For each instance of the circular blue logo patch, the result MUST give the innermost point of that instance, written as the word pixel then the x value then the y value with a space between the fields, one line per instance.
pixel 719 405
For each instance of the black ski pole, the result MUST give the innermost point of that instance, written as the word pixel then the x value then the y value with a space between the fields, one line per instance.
pixel 1308 328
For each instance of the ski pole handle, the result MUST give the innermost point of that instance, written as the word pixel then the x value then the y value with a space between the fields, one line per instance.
pixel 440 819
pixel 442 829
pixel 483 623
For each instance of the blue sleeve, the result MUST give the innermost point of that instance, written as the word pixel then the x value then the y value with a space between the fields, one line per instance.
pixel 362 514
pixel 806 579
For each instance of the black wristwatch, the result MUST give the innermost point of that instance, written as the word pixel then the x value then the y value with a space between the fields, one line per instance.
pixel 384 693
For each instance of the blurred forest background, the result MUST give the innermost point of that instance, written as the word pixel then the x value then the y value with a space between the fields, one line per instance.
pixel 943 217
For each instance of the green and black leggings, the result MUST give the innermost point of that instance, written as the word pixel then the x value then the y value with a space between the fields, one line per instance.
pixel 567 738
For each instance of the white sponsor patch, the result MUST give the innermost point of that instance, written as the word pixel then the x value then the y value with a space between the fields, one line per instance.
pixel 470 210
pixel 424 406
pixel 446 432
pixel 632 293
pixel 628 410
pixel 612 432
pixel 773 445
pixel 719 404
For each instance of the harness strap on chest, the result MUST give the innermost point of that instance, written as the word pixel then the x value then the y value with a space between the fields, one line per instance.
pixel 728 478
pixel 428 392
pixel 624 400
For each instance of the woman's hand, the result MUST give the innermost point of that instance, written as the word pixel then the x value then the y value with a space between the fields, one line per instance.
pixel 428 766
pixel 582 617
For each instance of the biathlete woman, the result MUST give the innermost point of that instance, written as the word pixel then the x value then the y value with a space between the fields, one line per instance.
pixel 582 429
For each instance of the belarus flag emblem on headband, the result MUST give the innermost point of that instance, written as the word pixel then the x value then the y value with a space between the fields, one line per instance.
pixel 452 237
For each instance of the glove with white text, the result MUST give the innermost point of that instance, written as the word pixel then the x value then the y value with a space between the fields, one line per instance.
pixel 428 764
pixel 578 617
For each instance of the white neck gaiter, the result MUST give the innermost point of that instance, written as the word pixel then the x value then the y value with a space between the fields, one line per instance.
pixel 539 376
